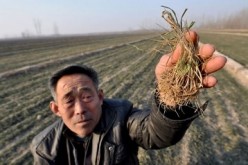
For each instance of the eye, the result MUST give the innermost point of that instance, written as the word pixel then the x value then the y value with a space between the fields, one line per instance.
pixel 69 100
pixel 87 98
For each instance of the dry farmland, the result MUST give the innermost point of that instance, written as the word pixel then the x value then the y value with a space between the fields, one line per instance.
pixel 232 43
pixel 126 69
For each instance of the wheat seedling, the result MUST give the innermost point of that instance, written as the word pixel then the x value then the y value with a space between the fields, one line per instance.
pixel 181 84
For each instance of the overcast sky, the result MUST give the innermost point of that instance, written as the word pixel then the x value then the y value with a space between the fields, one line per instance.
pixel 47 17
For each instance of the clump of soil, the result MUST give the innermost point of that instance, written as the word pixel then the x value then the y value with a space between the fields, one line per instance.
pixel 181 84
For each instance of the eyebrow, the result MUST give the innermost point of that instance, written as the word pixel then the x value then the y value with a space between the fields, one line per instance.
pixel 80 89
pixel 85 89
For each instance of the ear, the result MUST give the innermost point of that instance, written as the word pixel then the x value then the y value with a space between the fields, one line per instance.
pixel 101 95
pixel 54 108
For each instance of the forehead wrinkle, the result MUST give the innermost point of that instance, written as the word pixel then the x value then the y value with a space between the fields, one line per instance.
pixel 74 90
pixel 75 83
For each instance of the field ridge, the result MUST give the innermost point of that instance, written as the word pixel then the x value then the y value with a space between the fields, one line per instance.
pixel 237 70
pixel 47 63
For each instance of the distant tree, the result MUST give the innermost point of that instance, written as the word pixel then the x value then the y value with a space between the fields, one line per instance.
pixel 26 34
pixel 55 29
pixel 37 26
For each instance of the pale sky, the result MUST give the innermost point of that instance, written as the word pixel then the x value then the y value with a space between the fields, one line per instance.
pixel 90 16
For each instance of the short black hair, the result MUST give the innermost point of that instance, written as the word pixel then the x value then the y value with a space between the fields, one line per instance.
pixel 69 70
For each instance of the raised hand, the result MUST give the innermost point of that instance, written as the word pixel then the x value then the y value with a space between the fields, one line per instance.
pixel 212 63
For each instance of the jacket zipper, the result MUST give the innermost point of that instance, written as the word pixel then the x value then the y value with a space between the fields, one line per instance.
pixel 111 154
pixel 100 142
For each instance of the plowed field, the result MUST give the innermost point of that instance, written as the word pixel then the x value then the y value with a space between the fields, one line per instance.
pixel 126 69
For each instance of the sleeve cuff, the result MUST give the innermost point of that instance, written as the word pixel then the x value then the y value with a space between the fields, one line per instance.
pixel 179 112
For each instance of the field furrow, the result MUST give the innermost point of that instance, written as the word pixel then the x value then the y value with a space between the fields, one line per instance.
pixel 125 70
pixel 17 52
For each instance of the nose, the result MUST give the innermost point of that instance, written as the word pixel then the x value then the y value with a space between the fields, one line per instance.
pixel 80 108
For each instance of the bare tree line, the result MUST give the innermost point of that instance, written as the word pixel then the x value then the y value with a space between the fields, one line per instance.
pixel 38 30
pixel 234 21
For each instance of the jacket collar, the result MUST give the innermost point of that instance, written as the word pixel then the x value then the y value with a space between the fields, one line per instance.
pixel 106 120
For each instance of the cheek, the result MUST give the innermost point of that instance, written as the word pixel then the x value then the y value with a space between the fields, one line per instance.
pixel 66 113
pixel 96 111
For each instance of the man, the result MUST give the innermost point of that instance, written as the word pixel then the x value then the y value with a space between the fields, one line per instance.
pixel 94 130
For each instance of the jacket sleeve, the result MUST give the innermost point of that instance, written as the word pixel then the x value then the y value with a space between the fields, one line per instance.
pixel 159 128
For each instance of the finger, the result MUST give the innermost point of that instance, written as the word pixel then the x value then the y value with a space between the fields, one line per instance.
pixel 190 36
pixel 209 81
pixel 214 64
pixel 176 54
pixel 206 51
pixel 162 65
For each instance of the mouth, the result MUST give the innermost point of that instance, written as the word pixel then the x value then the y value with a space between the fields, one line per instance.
pixel 83 122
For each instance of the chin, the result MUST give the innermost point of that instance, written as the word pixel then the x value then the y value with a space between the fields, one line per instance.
pixel 84 133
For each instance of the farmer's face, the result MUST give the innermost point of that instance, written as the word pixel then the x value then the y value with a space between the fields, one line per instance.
pixel 78 103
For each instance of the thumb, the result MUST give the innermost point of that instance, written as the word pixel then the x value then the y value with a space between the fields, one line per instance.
pixel 169 60
pixel 162 65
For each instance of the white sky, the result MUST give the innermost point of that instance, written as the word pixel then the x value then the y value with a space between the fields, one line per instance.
pixel 89 16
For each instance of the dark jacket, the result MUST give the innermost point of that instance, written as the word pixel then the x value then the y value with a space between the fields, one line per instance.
pixel 115 140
